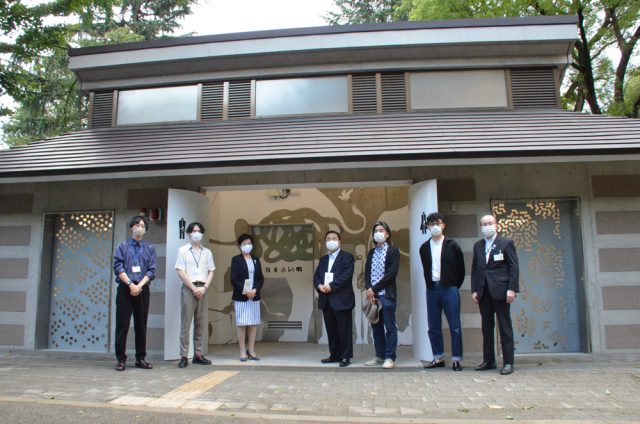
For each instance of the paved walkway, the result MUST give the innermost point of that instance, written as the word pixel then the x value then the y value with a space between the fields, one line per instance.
pixel 289 383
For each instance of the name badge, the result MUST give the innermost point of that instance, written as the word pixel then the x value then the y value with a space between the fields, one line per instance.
pixel 498 257
pixel 328 278
pixel 135 268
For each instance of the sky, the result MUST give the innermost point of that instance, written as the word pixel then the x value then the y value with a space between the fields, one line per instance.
pixel 226 16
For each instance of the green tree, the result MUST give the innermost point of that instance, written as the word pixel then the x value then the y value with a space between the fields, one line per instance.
pixel 35 72
pixel 593 80
pixel 362 12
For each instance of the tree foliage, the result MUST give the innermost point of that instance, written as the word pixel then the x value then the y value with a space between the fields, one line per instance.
pixel 34 56
pixel 606 29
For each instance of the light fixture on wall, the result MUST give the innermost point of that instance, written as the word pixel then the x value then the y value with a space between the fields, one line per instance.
pixel 279 193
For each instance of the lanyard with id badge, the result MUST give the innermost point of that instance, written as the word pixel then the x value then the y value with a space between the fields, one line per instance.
pixel 195 272
pixel 135 266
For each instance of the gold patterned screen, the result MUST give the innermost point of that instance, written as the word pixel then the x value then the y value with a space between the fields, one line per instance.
pixel 548 315
pixel 80 283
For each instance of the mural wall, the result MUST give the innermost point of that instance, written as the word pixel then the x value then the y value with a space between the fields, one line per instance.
pixel 351 211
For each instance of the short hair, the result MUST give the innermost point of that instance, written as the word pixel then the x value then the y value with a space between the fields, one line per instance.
pixel 434 217
pixel 384 225
pixel 136 219
pixel 332 232
pixel 244 237
pixel 192 226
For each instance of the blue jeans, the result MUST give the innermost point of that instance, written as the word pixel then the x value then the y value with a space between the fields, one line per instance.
pixel 385 331
pixel 447 299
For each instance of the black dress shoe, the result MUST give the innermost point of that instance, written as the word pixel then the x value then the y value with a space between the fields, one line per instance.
pixel 120 366
pixel 143 364
pixel 434 364
pixel 506 369
pixel 329 360
pixel 457 366
pixel 484 366
pixel 183 362
pixel 344 363
pixel 200 360
pixel 252 357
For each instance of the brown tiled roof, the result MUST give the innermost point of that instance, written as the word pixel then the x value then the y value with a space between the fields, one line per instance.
pixel 333 139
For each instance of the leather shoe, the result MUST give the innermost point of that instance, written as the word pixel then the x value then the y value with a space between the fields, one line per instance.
pixel 434 364
pixel 484 366
pixel 120 366
pixel 506 369
pixel 183 362
pixel 456 365
pixel 200 360
pixel 143 364
pixel 329 360
pixel 344 363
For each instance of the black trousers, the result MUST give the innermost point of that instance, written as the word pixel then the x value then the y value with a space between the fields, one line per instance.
pixel 138 306
pixel 339 332
pixel 502 311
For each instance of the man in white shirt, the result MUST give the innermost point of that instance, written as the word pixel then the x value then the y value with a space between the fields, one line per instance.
pixel 195 267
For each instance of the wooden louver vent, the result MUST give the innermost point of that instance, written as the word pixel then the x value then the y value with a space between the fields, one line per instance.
pixel 239 99
pixel 394 94
pixel 364 93
pixel 533 88
pixel 212 101
pixel 102 109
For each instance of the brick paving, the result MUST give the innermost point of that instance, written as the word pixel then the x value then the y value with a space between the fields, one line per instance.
pixel 585 388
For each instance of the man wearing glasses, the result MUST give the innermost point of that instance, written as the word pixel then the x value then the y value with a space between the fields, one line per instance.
pixel 134 263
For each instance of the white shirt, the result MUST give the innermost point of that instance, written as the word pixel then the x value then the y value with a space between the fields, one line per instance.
pixel 488 245
pixel 332 259
pixel 196 263
pixel 436 255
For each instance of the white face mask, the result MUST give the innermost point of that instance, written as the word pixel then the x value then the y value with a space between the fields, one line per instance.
pixel 332 245
pixel 139 231
pixel 196 236
pixel 246 248
pixel 379 236
pixel 436 230
pixel 489 231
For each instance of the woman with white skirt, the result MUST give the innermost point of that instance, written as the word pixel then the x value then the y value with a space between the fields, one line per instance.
pixel 247 280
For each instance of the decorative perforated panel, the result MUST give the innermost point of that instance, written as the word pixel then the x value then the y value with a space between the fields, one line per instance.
pixel 80 283
pixel 549 314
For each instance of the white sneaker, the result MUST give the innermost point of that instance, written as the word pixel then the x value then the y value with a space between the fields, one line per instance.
pixel 388 364
pixel 374 362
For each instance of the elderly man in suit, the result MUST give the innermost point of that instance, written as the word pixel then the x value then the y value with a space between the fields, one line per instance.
pixel 494 284
pixel 332 281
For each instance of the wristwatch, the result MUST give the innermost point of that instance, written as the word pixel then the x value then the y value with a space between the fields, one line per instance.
pixel 128 283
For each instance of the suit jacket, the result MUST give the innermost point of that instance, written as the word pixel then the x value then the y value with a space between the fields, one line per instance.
pixel 451 264
pixel 341 296
pixel 495 276
pixel 391 267
pixel 240 272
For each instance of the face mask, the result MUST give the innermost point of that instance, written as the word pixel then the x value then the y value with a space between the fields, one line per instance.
pixel 436 230
pixel 332 245
pixel 379 236
pixel 489 231
pixel 246 248
pixel 196 236
pixel 139 231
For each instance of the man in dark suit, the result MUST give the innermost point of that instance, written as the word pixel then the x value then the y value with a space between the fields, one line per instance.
pixel 443 267
pixel 332 281
pixel 494 284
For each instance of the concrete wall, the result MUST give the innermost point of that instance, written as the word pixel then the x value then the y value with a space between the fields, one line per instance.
pixel 609 196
